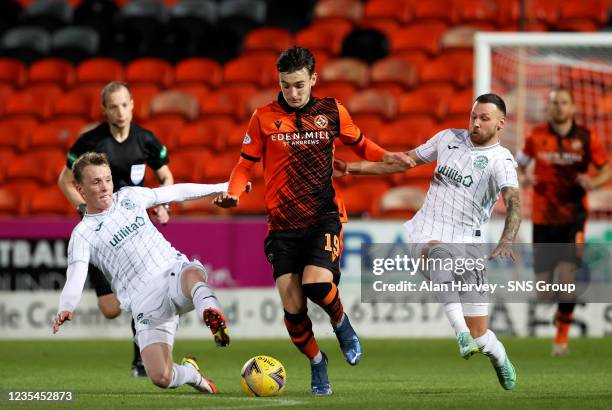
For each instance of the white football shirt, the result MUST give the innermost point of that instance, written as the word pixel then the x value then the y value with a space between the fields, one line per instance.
pixel 464 188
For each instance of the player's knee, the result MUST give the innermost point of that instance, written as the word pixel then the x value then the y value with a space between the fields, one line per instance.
pixel 296 318
pixel 316 292
pixel 161 379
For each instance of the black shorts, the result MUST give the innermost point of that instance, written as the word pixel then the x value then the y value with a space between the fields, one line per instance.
pixel 98 281
pixel 557 243
pixel 289 251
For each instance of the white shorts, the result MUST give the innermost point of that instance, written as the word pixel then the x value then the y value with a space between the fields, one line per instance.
pixel 156 315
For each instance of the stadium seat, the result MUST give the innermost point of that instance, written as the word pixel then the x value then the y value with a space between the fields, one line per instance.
pixel 150 70
pixel 429 100
pixel 407 133
pixel 439 10
pixel 400 202
pixel 10 12
pixel 257 69
pixel 57 133
pixel 366 44
pixel 346 71
pixel 478 11
pixel 16 132
pixel 83 100
pixel 11 203
pixel 400 10
pixel 460 105
pixel 5 92
pixel 369 124
pixel 75 43
pixel 189 29
pixel 6 156
pixel 261 98
pixel 437 70
pixel 52 70
pixel 187 164
pixel 49 201
pixel 194 70
pixel 219 167
pixel 574 11
pixel 463 36
pixel 232 141
pixel 326 36
pixel 419 37
pixel 26 43
pixel 99 70
pixel 197 90
pixel 415 58
pixel 386 26
pixel 271 39
pixel 13 71
pixel 175 102
pixel 395 71
pixel 340 91
pixel 353 195
pixel 37 100
pixel 137 32
pixel 166 128
pixel 351 10
pixel 142 94
pixel 543 11
pixel 229 101
pixel 206 10
pixel 373 102
pixel 206 132
pixel 42 165
pixel 48 14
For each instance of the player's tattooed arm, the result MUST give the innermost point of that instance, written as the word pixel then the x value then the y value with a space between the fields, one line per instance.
pixel 342 168
pixel 512 200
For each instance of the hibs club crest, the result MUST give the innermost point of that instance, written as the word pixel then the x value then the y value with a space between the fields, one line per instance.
pixel 480 162
pixel 127 204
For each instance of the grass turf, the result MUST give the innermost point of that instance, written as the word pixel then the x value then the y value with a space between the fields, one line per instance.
pixel 404 373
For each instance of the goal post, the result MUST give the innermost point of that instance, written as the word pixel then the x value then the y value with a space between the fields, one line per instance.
pixel 523 67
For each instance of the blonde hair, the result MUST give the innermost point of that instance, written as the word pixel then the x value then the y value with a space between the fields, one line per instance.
pixel 88 158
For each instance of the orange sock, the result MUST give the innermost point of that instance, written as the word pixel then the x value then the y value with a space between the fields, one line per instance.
pixel 563 320
pixel 299 327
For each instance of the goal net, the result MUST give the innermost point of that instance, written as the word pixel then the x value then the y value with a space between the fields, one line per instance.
pixel 523 67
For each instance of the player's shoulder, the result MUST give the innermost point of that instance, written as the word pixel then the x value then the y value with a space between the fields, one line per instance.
pixel 455 135
pixel 502 154
pixel 539 130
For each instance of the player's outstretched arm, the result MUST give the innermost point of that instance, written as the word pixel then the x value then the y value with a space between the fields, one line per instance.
pixel 182 192
pixel 71 294
pixel 238 183
pixel 390 166
pixel 512 200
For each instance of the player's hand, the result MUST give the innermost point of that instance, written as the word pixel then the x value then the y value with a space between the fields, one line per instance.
pixel 398 158
pixel 340 168
pixel 226 200
pixel 160 215
pixel 61 317
pixel 503 250
pixel 585 182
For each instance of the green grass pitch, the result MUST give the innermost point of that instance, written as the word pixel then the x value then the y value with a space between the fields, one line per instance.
pixel 404 373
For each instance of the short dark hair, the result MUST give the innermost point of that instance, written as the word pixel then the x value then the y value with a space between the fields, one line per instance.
pixel 493 99
pixel 111 88
pixel 88 158
pixel 294 59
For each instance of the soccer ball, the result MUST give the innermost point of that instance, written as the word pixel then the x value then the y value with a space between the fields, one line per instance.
pixel 263 376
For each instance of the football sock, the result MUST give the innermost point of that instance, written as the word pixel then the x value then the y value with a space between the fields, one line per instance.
pixel 203 298
pixel 490 346
pixel 563 321
pixel 317 359
pixel 454 314
pixel 326 295
pixel 299 327
pixel 137 357
pixel 183 374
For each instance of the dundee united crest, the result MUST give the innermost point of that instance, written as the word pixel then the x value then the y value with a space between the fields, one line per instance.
pixel 320 121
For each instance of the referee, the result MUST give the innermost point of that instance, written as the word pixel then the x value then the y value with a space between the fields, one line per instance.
pixel 129 149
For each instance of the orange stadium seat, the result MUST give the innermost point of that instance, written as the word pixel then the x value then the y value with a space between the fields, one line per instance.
pixel 58 133
pixel 460 37
pixel 6 90
pixel 49 201
pixel 187 165
pixel 205 132
pixel 399 10
pixel 424 37
pixel 257 69
pixel 261 98
pixel 41 165
pixel 150 70
pixel 369 125
pixel 219 167
pixel 373 102
pixel 478 11
pixel 460 105
pixel 99 70
pixel 199 91
pixel 77 102
pixel 254 202
pixel 385 26
pixel 340 91
pixel 604 105
pixel 6 156
pixel 199 70
pixel 436 10
pixel 175 102
pixel 229 101
pixel 415 58
pixel 325 35
pixel 273 39
pixel 353 195
pixel 52 70
pixel 232 141
pixel 427 100
pixel 583 13
pixel 456 122
pixel 346 70
pixel 400 202
pixel 392 70
pixel 37 100
pixel 10 201
pixel 456 68
pixel 351 10
pixel 142 94
pixel 543 11
pixel 166 128
pixel 407 133
pixel 16 132
pixel 13 71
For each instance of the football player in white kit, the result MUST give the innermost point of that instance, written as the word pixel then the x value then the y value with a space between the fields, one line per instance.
pixel 472 169
pixel 150 278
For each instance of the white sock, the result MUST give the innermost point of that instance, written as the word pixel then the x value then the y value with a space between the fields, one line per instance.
pixel 490 346
pixel 183 374
pixel 317 359
pixel 203 298
pixel 337 325
pixel 454 314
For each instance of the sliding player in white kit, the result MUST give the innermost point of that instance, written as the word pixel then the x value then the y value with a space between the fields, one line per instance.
pixel 150 278
pixel 472 169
